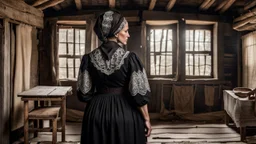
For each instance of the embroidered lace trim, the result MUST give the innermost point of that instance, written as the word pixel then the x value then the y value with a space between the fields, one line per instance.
pixel 139 83
pixel 108 66
pixel 106 23
pixel 84 83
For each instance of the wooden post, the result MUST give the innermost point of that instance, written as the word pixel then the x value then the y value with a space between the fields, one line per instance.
pixel 181 71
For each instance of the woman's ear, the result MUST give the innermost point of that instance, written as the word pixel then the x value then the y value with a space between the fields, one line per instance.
pixel 116 35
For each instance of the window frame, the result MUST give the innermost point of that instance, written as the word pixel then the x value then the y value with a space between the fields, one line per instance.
pixel 174 49
pixel 73 56
pixel 201 27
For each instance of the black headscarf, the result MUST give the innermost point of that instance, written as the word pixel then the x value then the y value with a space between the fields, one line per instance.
pixel 108 24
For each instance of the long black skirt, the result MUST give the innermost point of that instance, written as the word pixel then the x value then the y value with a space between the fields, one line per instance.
pixel 111 119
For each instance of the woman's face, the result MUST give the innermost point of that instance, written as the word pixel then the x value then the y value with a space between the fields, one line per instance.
pixel 123 35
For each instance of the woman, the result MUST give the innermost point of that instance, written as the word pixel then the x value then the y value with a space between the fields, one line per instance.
pixel 114 85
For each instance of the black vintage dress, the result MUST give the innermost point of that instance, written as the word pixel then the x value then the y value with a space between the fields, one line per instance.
pixel 114 84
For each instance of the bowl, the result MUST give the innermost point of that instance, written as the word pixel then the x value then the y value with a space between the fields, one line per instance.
pixel 242 92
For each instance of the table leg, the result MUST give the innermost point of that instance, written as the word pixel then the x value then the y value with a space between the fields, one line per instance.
pixel 243 133
pixel 63 118
pixel 26 122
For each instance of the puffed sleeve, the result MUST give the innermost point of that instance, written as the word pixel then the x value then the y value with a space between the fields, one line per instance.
pixel 85 88
pixel 138 86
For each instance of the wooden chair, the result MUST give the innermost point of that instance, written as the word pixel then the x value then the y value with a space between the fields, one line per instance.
pixel 45 113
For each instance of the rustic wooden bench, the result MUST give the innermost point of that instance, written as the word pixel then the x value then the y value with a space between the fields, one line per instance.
pixel 45 113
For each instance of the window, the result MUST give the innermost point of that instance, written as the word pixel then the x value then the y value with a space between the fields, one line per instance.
pixel 71 50
pixel 198 53
pixel 161 41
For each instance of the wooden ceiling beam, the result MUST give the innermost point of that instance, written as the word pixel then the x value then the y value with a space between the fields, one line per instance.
pixel 21 12
pixel 203 5
pixel 250 5
pixel 78 4
pixel 49 4
pixel 247 27
pixel 249 14
pixel 39 2
pixel 243 22
pixel 112 3
pixel 152 4
pixel 221 5
pixel 227 6
pixel 170 5
pixel 209 4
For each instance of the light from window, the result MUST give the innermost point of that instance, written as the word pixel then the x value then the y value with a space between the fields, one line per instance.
pixel 71 49
pixel 161 52
pixel 198 52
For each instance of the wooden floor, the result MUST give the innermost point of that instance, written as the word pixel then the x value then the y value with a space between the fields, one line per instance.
pixel 165 133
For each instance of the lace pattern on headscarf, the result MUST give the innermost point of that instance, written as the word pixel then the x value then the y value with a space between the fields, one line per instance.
pixel 106 23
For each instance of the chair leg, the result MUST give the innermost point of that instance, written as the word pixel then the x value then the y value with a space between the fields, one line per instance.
pixel 54 131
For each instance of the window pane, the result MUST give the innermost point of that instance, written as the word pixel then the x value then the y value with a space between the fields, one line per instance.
pixel 70 63
pixel 62 48
pixel 71 73
pixel 208 36
pixel 62 62
pixel 76 72
pixel 63 73
pixel 77 49
pixel 62 35
pixel 77 62
pixel 77 36
pixel 70 35
pixel 82 36
pixel 152 65
pixel 71 49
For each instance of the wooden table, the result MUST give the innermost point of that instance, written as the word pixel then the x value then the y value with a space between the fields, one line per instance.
pixel 240 110
pixel 45 93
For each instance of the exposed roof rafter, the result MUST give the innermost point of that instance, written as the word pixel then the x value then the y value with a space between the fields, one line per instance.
pixel 49 4
pixel 221 5
pixel 227 6
pixel 203 5
pixel 250 5
pixel 209 4
pixel 152 4
pixel 39 2
pixel 170 5
pixel 112 3
pixel 78 4
pixel 247 15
